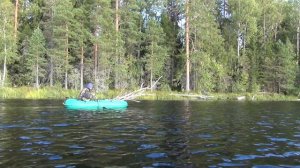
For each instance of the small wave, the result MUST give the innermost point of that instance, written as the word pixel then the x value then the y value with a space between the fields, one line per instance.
pixel 156 155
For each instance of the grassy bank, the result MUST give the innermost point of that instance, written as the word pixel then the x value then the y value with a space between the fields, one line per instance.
pixel 60 93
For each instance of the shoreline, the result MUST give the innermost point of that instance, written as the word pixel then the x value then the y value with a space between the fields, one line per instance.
pixel 60 93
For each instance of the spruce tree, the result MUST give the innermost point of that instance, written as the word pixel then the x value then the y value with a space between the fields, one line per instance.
pixel 63 21
pixel 156 51
pixel 207 48
pixel 35 60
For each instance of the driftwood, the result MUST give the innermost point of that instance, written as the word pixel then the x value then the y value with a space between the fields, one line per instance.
pixel 137 93
pixel 194 96
pixel 240 98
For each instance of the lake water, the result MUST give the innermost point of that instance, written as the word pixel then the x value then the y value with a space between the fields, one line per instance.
pixel 43 133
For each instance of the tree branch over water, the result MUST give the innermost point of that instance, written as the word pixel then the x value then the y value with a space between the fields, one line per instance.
pixel 137 93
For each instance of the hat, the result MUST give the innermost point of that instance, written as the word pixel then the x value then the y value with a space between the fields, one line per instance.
pixel 89 86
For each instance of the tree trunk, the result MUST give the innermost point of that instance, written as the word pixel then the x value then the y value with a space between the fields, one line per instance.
pixel 67 58
pixel 51 71
pixel 37 73
pixel 264 28
pixel 298 43
pixel 16 20
pixel 66 79
pixel 117 76
pixel 238 49
pixel 238 38
pixel 151 69
pixel 4 65
pixel 5 54
pixel 117 16
pixel 224 8
pixel 244 40
pixel 95 63
pixel 187 46
pixel 276 26
pixel 51 56
pixel 81 69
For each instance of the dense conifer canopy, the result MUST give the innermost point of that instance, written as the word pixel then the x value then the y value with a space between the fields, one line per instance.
pixel 234 45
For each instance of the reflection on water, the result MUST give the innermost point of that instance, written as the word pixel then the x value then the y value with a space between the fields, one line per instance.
pixel 150 134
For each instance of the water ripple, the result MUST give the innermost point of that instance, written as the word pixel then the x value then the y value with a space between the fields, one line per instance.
pixel 24 138
pixel 294 144
pixel 76 147
pixel 40 128
pixel 205 136
pixel 246 157
pixel 43 142
pixel 111 148
pixel 163 164
pixel 273 139
pixel 119 141
pixel 232 164
pixel 265 149
pixel 266 166
pixel 26 149
pixel 264 123
pixel 185 134
pixel 147 146
pixel 64 166
pixel 291 154
pixel 12 126
pixel 198 152
pixel 61 125
pixel 156 155
pixel 55 157
pixel 273 155
pixel 297 135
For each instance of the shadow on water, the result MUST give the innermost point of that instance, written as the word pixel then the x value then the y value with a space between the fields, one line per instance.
pixel 150 134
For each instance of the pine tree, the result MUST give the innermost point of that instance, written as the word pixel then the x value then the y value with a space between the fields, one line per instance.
pixel 80 41
pixel 156 52
pixel 131 29
pixel 63 20
pixel 280 68
pixel 35 61
pixel 187 43
pixel 28 19
pixel 170 24
pixel 120 67
pixel 206 47
pixel 104 42
pixel 244 20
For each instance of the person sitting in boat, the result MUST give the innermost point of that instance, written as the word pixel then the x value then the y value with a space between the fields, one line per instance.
pixel 85 93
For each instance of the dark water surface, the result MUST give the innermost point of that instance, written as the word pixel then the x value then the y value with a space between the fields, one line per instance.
pixel 43 133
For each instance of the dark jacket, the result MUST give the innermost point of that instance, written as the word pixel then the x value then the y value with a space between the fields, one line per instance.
pixel 85 94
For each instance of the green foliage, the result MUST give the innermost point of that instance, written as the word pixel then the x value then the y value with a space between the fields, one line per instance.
pixel 131 29
pixel 103 30
pixel 58 93
pixel 155 49
pixel 209 73
pixel 207 52
pixel 63 31
pixel 286 60
pixel 35 60
pixel 7 39
pixel 280 68
pixel 239 46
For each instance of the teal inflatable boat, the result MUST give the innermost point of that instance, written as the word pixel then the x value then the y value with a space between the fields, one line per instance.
pixel 75 104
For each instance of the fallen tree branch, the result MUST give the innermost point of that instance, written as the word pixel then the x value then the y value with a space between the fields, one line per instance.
pixel 194 96
pixel 137 93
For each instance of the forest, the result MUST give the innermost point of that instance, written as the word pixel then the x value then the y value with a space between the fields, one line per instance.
pixel 220 46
